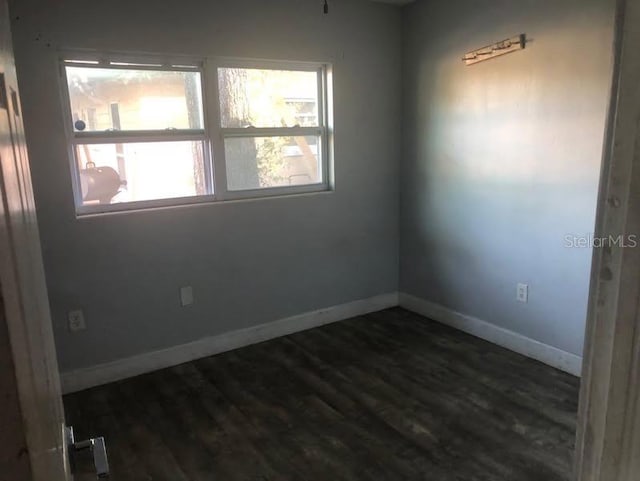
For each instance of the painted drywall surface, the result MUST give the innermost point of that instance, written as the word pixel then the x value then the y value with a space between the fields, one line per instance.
pixel 502 159
pixel 248 262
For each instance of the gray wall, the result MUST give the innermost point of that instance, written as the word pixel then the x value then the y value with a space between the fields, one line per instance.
pixel 502 159
pixel 500 162
pixel 248 262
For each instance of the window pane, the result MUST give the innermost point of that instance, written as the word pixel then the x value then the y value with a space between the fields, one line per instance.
pixel 130 99
pixel 262 162
pixel 112 173
pixel 268 98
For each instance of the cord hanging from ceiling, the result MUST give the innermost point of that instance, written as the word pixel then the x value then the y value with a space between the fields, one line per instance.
pixel 326 7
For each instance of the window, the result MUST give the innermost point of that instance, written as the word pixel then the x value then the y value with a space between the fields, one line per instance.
pixel 273 127
pixel 138 133
pixel 144 135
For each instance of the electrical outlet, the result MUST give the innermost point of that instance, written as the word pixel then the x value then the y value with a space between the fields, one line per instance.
pixel 522 292
pixel 76 321
pixel 186 296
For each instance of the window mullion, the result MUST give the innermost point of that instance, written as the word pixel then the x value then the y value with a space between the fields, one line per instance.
pixel 212 107
pixel 123 137
pixel 272 132
pixel 321 97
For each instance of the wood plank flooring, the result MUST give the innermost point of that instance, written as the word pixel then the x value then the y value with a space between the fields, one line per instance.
pixel 387 396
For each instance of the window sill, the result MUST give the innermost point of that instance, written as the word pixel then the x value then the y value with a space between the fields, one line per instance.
pixel 91 212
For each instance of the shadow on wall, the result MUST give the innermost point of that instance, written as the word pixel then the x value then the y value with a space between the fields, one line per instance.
pixel 505 163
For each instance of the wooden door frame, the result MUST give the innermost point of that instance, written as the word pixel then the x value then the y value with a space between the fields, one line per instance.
pixel 608 423
pixel 26 316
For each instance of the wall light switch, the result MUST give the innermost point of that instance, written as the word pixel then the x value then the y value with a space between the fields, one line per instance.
pixel 522 293
pixel 76 321
pixel 186 296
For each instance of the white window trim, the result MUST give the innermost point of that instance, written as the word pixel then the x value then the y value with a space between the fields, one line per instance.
pixel 219 133
pixel 212 135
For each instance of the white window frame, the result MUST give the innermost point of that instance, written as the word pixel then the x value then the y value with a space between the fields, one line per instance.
pixel 212 134
pixel 322 131
pixel 75 138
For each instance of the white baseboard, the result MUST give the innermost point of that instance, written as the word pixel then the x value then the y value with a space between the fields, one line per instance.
pixel 85 378
pixel 513 341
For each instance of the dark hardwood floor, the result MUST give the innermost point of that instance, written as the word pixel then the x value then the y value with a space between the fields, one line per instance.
pixel 387 396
